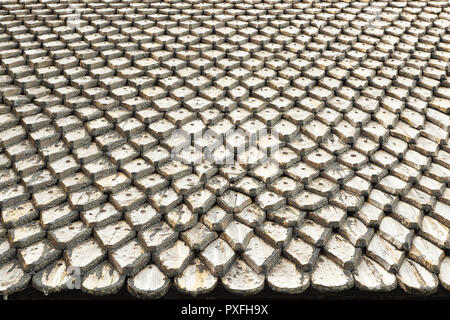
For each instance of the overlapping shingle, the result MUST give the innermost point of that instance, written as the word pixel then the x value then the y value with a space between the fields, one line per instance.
pixel 265 142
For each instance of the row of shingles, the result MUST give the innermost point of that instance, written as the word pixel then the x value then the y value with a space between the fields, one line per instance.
pixel 402 211
pixel 350 232
pixel 321 182
pixel 365 117
pixel 219 247
pixel 429 246
pixel 261 252
pixel 437 113
pixel 377 131
pixel 18 215
pixel 239 236
pixel 85 155
pixel 111 234
pixel 147 242
pixel 310 230
pixel 57 153
pixel 375 134
pixel 384 188
pixel 225 270
pixel 370 133
pixel 330 203
pixel 179 263
pixel 326 216
pixel 253 213
pixel 206 195
pixel 66 237
pixel 178 218
pixel 34 234
pixel 182 217
pixel 335 241
pixel 112 214
pixel 19 278
pixel 188 202
pixel 98 167
pixel 267 235
pixel 218 255
pixel 133 248
pixel 321 216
